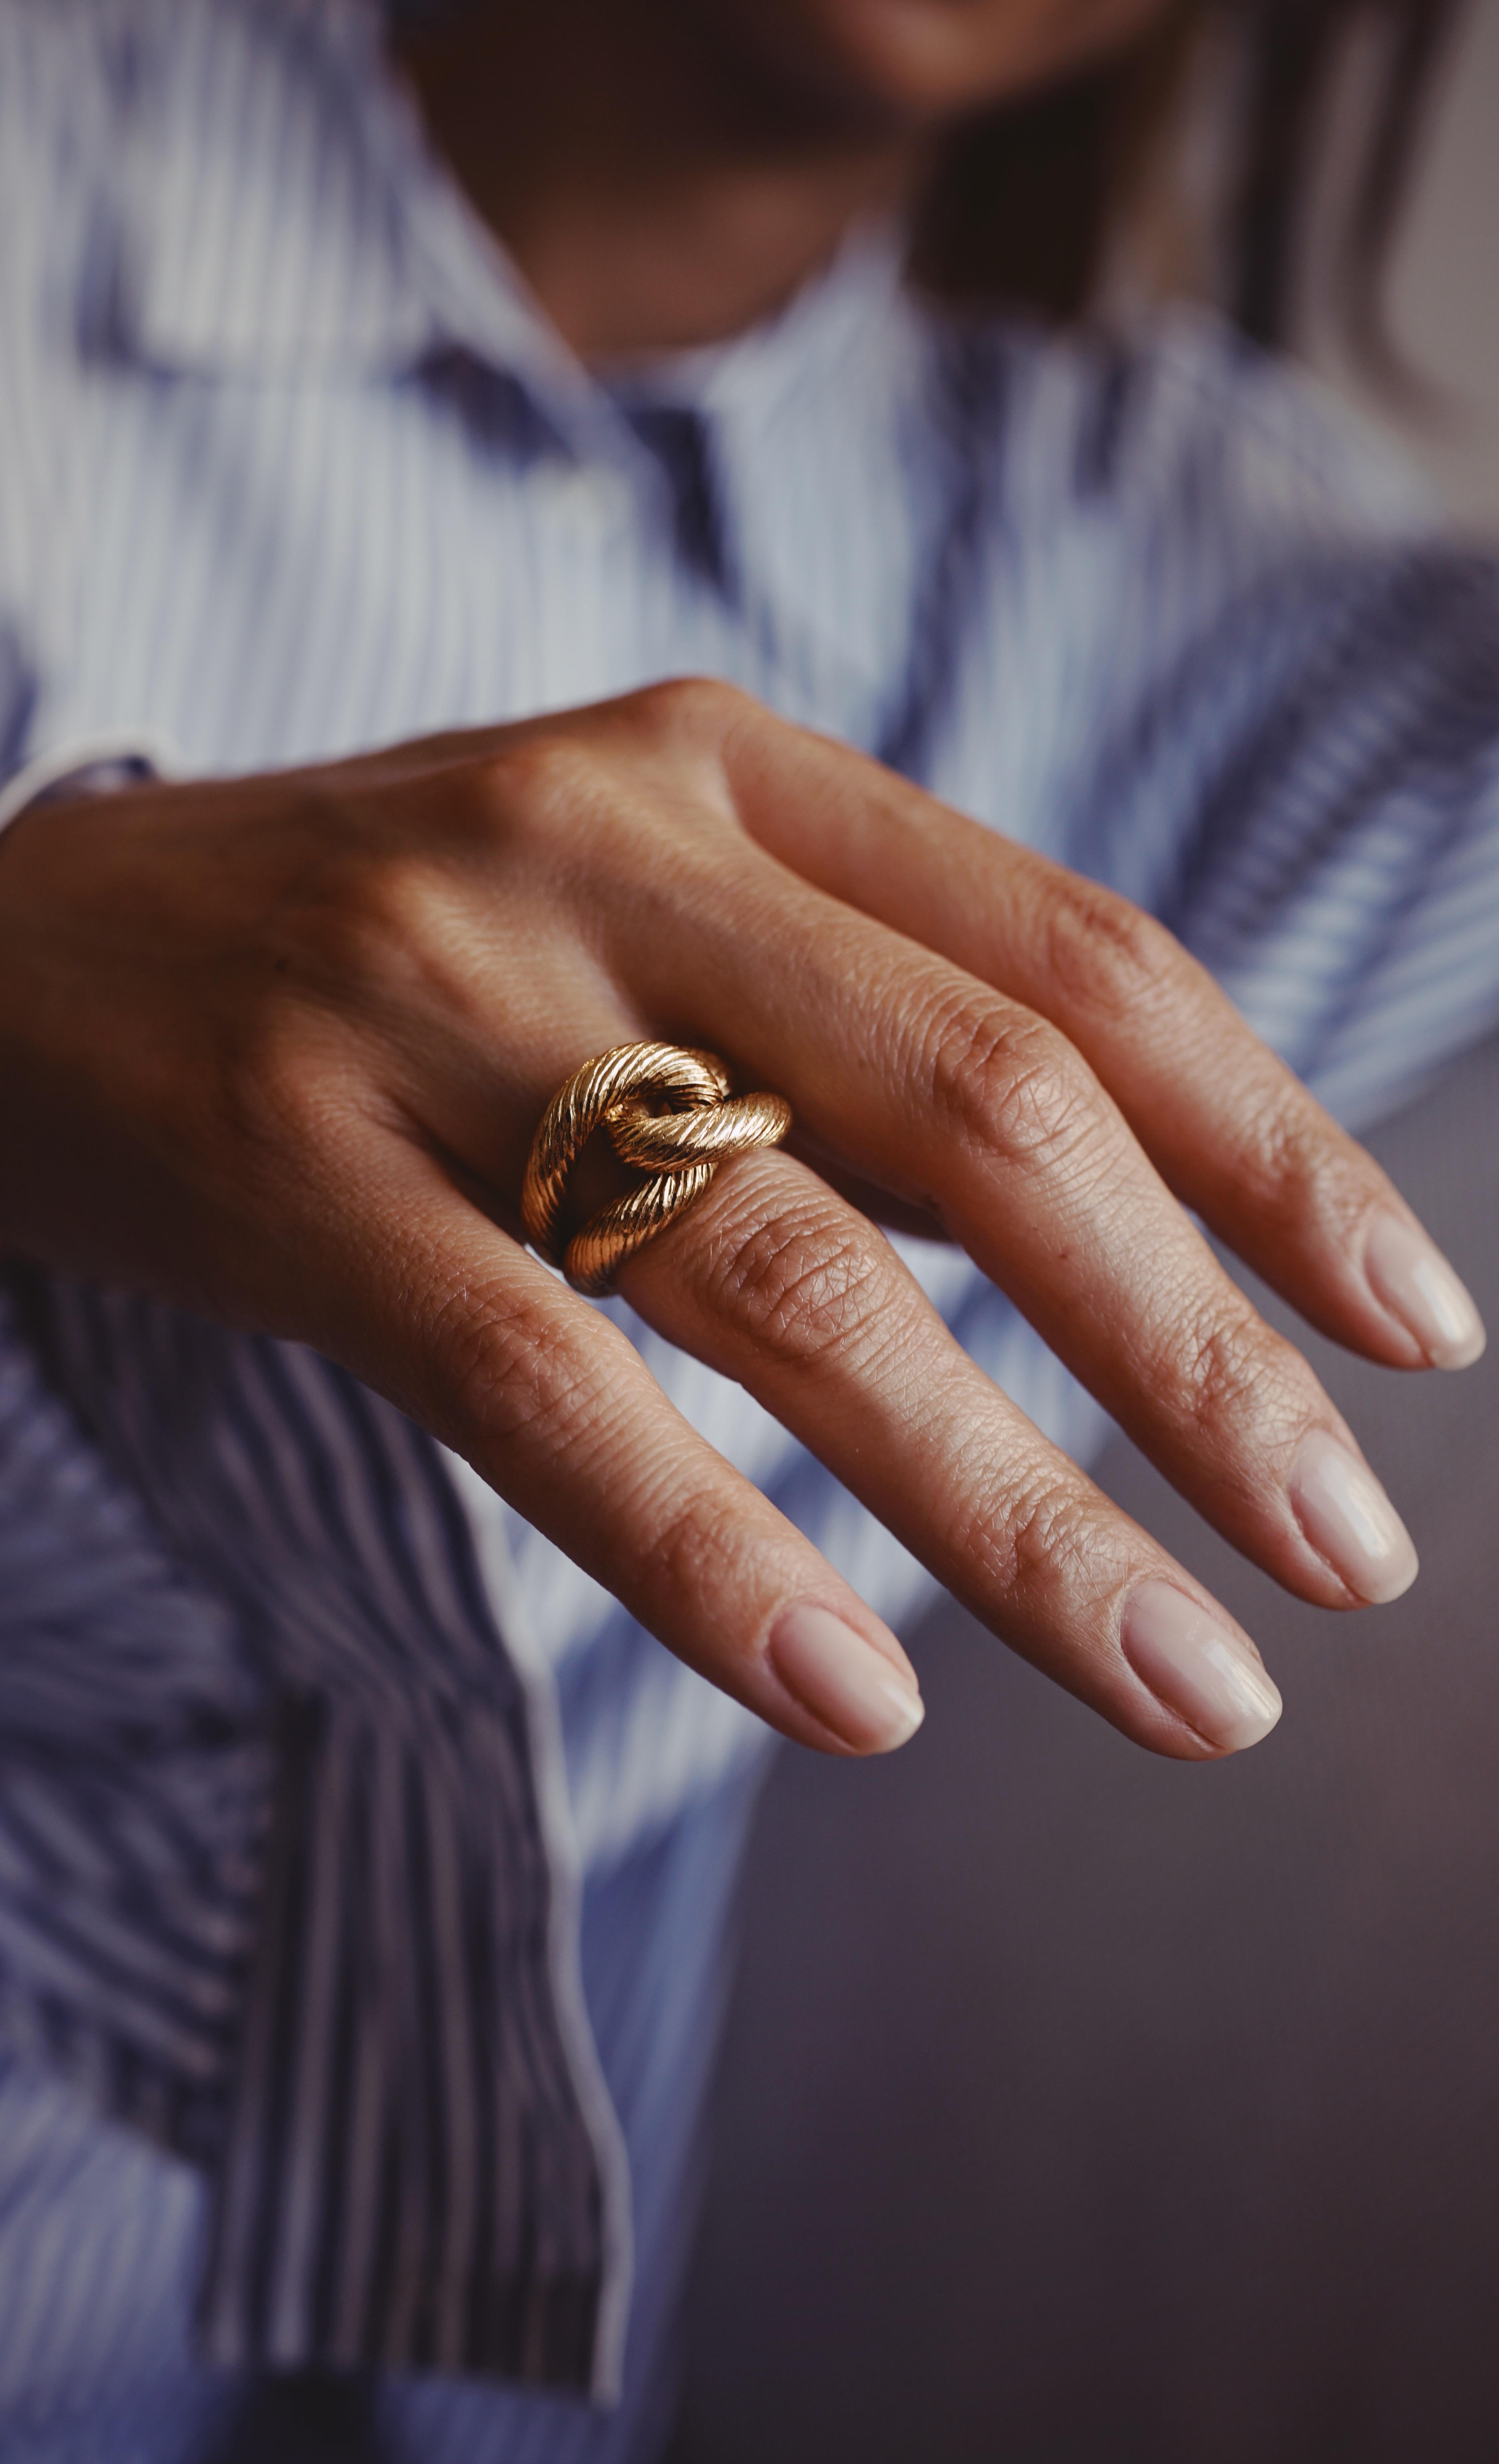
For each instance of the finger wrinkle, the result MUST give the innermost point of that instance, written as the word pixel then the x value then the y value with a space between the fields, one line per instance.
pixel 693 1548
pixel 1006 1083
pixel 532 1370
pixel 1107 957
pixel 1031 1543
pixel 809 1288
pixel 1241 1380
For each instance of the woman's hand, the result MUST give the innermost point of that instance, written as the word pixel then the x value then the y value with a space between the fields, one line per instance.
pixel 276 1049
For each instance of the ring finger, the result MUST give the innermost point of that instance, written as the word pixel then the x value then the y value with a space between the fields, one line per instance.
pixel 773 1280
pixel 930 1083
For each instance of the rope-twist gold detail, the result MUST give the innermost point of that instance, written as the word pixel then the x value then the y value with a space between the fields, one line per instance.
pixel 669 1113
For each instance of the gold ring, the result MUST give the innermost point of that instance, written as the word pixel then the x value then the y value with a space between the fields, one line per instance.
pixel 666 1110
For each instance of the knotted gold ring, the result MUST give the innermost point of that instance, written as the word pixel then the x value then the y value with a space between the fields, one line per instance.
pixel 669 1113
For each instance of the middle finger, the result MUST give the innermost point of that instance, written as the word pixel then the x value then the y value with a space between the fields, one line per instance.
pixel 931 1084
pixel 775 1283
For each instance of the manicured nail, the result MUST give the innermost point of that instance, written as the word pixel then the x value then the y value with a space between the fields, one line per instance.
pixel 1198 1667
pixel 1409 1276
pixel 1349 1520
pixel 844 1680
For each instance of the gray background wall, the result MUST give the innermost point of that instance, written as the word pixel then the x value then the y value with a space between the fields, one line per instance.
pixel 1444 286
pixel 1080 2108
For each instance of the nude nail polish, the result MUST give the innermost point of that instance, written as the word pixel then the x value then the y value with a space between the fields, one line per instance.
pixel 1198 1666
pixel 1348 1520
pixel 844 1680
pixel 1409 1276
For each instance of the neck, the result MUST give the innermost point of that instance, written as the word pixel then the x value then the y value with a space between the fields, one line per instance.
pixel 656 188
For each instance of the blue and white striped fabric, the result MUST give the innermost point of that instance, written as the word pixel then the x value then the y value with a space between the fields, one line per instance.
pixel 310 1750
pixel 103 2237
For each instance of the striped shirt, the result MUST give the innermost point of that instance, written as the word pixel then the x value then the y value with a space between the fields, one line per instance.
pixel 306 1742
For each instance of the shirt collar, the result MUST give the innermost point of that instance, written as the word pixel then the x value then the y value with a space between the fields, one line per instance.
pixel 285 220
pixel 805 346
pixel 284 217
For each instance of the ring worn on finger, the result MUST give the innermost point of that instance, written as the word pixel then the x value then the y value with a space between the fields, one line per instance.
pixel 667 1111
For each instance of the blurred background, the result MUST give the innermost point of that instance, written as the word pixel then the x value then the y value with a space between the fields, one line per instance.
pixel 1441 295
pixel 1080 2108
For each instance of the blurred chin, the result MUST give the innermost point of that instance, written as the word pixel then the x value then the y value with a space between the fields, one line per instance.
pixel 916 61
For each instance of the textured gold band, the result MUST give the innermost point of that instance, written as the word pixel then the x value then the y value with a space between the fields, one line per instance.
pixel 666 1110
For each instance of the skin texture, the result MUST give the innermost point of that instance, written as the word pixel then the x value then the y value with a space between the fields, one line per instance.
pixel 667 173
pixel 918 62
pixel 303 1028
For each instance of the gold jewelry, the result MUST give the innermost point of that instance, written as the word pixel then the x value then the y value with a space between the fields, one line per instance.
pixel 666 1110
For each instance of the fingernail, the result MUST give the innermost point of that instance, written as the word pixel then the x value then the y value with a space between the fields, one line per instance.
pixel 1409 1276
pixel 844 1680
pixel 1198 1667
pixel 1349 1520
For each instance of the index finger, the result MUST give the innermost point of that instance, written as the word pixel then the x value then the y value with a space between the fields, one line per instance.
pixel 1228 1126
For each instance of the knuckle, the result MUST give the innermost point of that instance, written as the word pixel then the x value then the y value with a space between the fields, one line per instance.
pixel 535 784
pixel 1105 954
pixel 1281 1165
pixel 682 1556
pixel 1237 1376
pixel 350 919
pixel 271 1090
pixel 1039 1543
pixel 505 1372
pixel 1004 1080
pixel 804 1281
pixel 691 709
pixel 1052 1544
pixel 686 732
pixel 1300 1167
pixel 589 798
pixel 496 1372
pixel 1272 1139
pixel 1222 1367
pixel 399 901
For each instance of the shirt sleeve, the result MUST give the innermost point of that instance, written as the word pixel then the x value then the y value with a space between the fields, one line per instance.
pixel 1271 713
pixel 1335 862
pixel 135 1756
pixel 135 1781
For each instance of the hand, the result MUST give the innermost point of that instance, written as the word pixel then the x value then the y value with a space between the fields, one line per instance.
pixel 275 1049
